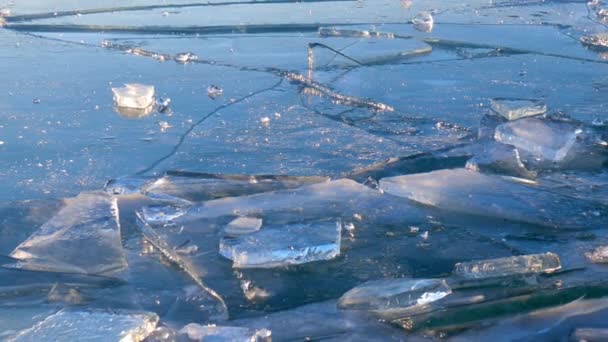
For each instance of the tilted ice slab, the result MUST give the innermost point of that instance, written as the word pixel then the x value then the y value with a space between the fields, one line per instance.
pixel 84 237
pixel 545 139
pixel 278 246
pixel 513 109
pixel 91 325
pixel 470 192
pixel 394 294
pixel 216 333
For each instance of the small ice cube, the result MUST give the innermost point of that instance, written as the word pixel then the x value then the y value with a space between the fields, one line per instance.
pixel 598 255
pixel 133 95
pixel 212 332
pixel 545 139
pixel 293 244
pixel 423 22
pixel 243 225
pixel 185 57
pixel 513 109
pixel 92 325
pixel 214 91
pixel 515 265
pixel 392 294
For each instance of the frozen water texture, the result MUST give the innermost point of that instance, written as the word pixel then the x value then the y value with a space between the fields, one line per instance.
pixel 423 22
pixel 92 325
pixel 243 225
pixel 545 139
pixel 470 192
pixel 598 255
pixel 134 96
pixel 513 109
pixel 394 294
pixel 216 333
pixel 294 244
pixel 500 159
pixel 84 237
pixel 502 267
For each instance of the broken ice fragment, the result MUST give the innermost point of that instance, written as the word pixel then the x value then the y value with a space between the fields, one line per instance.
pixel 243 225
pixel 545 139
pixel 279 246
pixel 185 57
pixel 589 335
pixel 214 91
pixel 597 41
pixel 513 109
pixel 133 95
pixel 198 332
pixel 91 325
pixel 84 237
pixel 598 255
pixel 500 159
pixel 470 192
pixel 5 12
pixel 502 267
pixel 423 22
pixel 394 294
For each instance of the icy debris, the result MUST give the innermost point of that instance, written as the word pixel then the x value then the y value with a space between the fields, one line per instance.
pixel 5 12
pixel 488 124
pixel 394 294
pixel 196 332
pixel 84 237
pixel 162 334
pixel 423 22
pixel 265 121
pixel 500 159
pixel 598 255
pixel 92 325
pixel 243 225
pixel 589 335
pixel 64 294
pixel 599 40
pixel 125 185
pixel 214 91
pixel 185 57
pixel 340 32
pixel 279 246
pixel 545 139
pixel 163 104
pixel 502 267
pixel 513 109
pixel 133 95
pixel 159 214
pixel 470 192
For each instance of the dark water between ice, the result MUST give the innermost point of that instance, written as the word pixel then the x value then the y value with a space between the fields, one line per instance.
pixel 341 95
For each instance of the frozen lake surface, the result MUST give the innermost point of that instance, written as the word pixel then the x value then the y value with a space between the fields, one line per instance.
pixel 313 170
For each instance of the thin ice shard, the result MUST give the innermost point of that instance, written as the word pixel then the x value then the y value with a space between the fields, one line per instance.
pixel 216 333
pixel 93 325
pixel 513 109
pixel 502 267
pixel 293 244
pixel 84 237
pixel 598 255
pixel 470 192
pixel 394 294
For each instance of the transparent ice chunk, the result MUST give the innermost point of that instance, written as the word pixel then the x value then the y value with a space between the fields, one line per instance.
pixel 214 91
pixel 597 41
pixel 134 95
pixel 126 185
pixel 500 159
pixel 243 225
pixel 293 244
pixel 423 22
pixel 196 332
pixel 470 192
pixel 394 294
pixel 545 139
pixel 502 267
pixel 598 255
pixel 513 109
pixel 185 57
pixel 91 325
pixel 84 237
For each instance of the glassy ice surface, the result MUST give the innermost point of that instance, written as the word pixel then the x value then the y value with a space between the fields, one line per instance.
pixel 523 264
pixel 84 237
pixel 394 294
pixel 292 244
pixel 132 95
pixel 198 332
pixel 330 98
pixel 97 325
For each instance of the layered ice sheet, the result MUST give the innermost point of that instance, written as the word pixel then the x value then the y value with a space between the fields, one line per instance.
pixel 470 192
pixel 513 109
pixel 278 246
pixel 94 325
pixel 84 237
pixel 522 264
